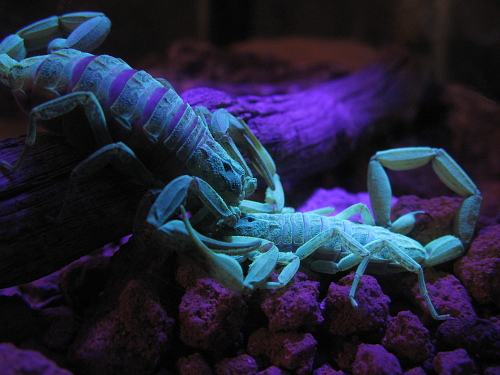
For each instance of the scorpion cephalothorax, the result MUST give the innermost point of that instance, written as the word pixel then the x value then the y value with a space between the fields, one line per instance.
pixel 138 123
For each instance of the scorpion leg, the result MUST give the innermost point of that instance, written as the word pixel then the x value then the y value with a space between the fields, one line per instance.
pixel 118 155
pixel 175 193
pixel 446 169
pixel 360 255
pixel 403 259
pixel 225 268
pixel 59 107
pixel 264 264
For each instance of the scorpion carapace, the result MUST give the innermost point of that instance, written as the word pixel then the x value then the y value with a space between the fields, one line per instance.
pixel 139 124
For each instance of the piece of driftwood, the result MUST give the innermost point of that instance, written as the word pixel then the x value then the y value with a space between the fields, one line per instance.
pixel 306 132
pixel 32 243
pixel 313 130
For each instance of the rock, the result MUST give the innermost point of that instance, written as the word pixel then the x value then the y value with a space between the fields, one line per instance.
pixel 130 338
pixel 375 360
pixel 14 361
pixel 416 371
pixel 479 268
pixel 293 307
pixel 83 280
pixel 439 218
pixel 240 365
pixel 63 326
pixel 446 292
pixel 193 364
pixel 18 321
pixel 455 362
pixel 210 315
pixel 327 370
pixel 407 337
pixel 291 350
pixel 272 370
pixel 347 353
pixel 343 319
pixel 478 336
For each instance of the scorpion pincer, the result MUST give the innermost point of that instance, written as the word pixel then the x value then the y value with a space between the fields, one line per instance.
pixel 330 244
pixel 138 123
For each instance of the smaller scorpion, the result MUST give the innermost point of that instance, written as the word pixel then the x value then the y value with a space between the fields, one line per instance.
pixel 333 244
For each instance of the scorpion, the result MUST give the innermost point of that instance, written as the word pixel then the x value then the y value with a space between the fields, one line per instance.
pixel 136 123
pixel 330 244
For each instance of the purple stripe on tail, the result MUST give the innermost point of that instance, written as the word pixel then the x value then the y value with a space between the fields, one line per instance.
pixel 151 104
pixel 117 86
pixel 78 70
pixel 171 141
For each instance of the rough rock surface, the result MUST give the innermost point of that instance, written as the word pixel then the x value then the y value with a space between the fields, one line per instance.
pixel 446 292
pixel 210 315
pixel 193 364
pixel 455 362
pixel 374 359
pixel 407 337
pixel 293 308
pixel 291 350
pixel 241 365
pixel 138 315
pixel 479 268
pixel 14 361
pixel 343 319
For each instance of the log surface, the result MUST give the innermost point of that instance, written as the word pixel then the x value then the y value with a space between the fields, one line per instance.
pixel 306 132
pixel 32 243
pixel 313 130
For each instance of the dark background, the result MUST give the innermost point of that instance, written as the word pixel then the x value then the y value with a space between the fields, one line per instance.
pixel 460 38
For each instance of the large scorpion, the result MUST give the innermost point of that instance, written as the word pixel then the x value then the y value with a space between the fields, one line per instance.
pixel 137 123
pixel 330 244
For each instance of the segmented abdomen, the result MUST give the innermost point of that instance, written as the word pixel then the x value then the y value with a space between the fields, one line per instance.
pixel 289 231
pixel 148 117
pixel 142 106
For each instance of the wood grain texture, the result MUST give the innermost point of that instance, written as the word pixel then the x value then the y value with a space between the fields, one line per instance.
pixel 32 243
pixel 306 132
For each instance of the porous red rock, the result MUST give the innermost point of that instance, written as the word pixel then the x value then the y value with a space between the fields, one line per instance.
pixel 477 336
pixel 240 365
pixel 128 339
pixel 210 315
pixel 193 364
pixel 416 371
pixel 343 319
pixel 455 362
pixel 272 370
pixel 439 217
pixel 375 360
pixel 479 269
pixel 347 352
pixel 291 350
pixel 293 307
pixel 20 361
pixel 407 337
pixel 327 370
pixel 446 292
